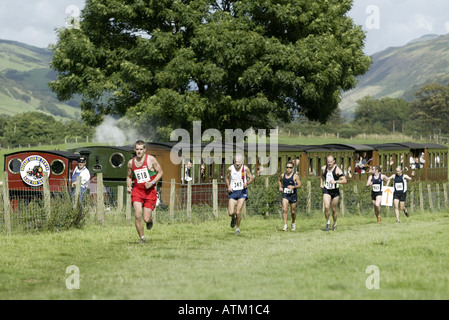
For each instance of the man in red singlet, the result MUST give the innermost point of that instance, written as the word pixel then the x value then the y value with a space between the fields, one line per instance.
pixel 144 171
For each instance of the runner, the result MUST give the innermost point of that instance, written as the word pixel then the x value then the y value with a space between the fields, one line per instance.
pixel 400 191
pixel 288 184
pixel 237 179
pixel 144 172
pixel 376 182
pixel 331 177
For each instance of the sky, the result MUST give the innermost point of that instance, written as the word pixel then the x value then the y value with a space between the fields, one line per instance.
pixel 388 23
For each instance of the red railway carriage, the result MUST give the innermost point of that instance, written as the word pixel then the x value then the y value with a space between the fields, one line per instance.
pixel 26 169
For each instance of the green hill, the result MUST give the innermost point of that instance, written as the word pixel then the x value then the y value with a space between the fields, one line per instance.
pixel 24 77
pixel 400 71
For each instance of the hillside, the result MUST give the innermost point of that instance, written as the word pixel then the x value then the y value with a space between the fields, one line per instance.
pixel 24 77
pixel 400 71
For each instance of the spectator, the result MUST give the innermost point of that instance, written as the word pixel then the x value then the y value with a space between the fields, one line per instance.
pixel 203 173
pixel 187 172
pixel 422 160
pixel 417 164
pixel 82 171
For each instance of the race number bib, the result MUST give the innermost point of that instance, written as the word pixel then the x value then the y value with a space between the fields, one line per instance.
pixel 237 185
pixel 329 185
pixel 288 191
pixel 376 187
pixel 142 175
pixel 399 186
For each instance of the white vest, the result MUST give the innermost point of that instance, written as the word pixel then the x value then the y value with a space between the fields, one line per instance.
pixel 238 178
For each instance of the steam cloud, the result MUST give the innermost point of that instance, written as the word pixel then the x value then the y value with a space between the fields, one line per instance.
pixel 110 133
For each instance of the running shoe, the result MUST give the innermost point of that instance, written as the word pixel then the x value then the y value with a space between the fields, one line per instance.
pixel 237 231
pixel 406 213
pixel 293 226
pixel 150 225
pixel 327 227
pixel 234 220
pixel 334 227
pixel 285 228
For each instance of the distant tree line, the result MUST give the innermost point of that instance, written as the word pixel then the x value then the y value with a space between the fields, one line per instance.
pixel 34 128
pixel 427 114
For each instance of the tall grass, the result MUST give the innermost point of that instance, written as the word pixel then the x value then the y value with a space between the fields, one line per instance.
pixel 206 260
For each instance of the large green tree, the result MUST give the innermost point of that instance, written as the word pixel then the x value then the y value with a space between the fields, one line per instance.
pixel 383 115
pixel 229 64
pixel 430 110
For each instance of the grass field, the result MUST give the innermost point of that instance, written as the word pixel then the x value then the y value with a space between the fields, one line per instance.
pixel 206 260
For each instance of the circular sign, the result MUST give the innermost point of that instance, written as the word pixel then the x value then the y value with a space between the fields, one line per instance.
pixel 32 170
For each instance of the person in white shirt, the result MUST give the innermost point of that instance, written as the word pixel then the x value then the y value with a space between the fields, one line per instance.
pixel 82 171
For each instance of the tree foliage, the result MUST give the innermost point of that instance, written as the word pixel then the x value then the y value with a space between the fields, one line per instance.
pixel 431 109
pixel 36 128
pixel 384 115
pixel 229 64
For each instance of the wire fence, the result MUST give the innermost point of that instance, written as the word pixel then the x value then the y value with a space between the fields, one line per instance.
pixel 22 211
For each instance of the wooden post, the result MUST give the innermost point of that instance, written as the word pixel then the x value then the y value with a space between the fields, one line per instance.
pixel 189 200
pixel 120 192
pixel 215 197
pixel 6 203
pixel 172 198
pixel 412 201
pixel 342 202
pixel 429 191
pixel 309 197
pixel 267 185
pixel 100 197
pixel 128 207
pixel 421 198
pixel 438 196
pixel 76 197
pixel 356 192
pixel 47 204
pixel 445 195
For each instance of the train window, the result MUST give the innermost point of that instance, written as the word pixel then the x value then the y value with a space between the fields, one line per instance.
pixel 14 165
pixel 57 167
pixel 117 160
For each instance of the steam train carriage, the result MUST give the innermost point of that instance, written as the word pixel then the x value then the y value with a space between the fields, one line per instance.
pixel 25 168
pixel 111 162
pixel 25 172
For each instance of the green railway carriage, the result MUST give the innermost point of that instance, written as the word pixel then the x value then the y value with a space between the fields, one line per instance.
pixel 111 162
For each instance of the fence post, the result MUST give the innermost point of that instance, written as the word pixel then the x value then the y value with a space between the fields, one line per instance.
pixel 100 197
pixel 6 203
pixel 189 200
pixel 429 191
pixel 438 196
pixel 76 198
pixel 47 204
pixel 128 207
pixel 412 201
pixel 309 197
pixel 120 192
pixel 421 198
pixel 267 185
pixel 172 198
pixel 342 202
pixel 356 192
pixel 215 197
pixel 445 195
